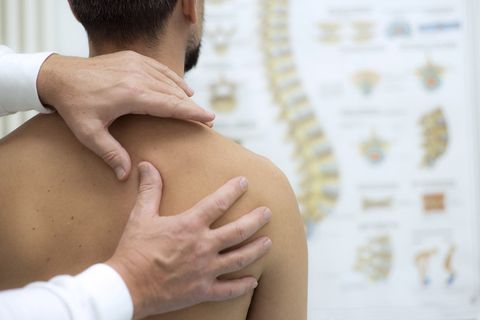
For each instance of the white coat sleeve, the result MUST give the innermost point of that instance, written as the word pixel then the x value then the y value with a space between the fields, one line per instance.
pixel 99 293
pixel 18 81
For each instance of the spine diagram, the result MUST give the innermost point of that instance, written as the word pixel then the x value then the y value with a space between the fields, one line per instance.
pixel 435 136
pixel 316 162
pixel 374 259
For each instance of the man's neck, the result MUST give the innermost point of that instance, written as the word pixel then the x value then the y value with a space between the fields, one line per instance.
pixel 169 52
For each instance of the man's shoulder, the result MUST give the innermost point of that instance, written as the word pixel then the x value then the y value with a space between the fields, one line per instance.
pixel 193 143
pixel 190 150
pixel 188 143
pixel 193 151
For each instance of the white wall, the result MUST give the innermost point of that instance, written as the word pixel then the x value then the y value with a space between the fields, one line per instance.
pixel 38 25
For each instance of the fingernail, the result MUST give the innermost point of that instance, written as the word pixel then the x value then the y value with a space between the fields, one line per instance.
pixel 211 114
pixel 192 92
pixel 255 284
pixel 244 183
pixel 267 243
pixel 267 214
pixel 120 172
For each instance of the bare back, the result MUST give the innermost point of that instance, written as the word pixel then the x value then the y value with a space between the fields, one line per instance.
pixel 63 210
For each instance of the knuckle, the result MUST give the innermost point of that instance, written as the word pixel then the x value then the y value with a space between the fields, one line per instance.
pixel 206 287
pixel 181 95
pixel 138 75
pixel 261 222
pixel 221 204
pixel 170 102
pixel 162 68
pixel 230 292
pixel 240 262
pixel 132 85
pixel 183 222
pixel 175 104
pixel 211 240
pixel 191 221
pixel 91 136
pixel 111 157
pixel 146 186
pixel 240 232
pixel 87 131
pixel 130 54
pixel 192 224
pixel 206 291
pixel 130 63
pixel 177 101
pixel 202 249
pixel 202 287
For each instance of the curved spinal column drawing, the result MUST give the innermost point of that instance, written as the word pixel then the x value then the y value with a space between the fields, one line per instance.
pixel 435 132
pixel 316 162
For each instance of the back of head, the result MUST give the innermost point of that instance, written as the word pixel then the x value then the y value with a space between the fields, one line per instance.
pixel 122 21
pixel 146 26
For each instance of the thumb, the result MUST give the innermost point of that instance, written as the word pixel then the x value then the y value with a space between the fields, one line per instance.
pixel 111 151
pixel 149 190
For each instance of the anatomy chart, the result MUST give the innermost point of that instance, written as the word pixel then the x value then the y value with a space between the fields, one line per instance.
pixel 369 108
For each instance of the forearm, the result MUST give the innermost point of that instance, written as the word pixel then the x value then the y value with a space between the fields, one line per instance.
pixel 96 294
pixel 18 81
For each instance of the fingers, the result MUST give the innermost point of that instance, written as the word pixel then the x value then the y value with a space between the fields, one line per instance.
pixel 165 71
pixel 242 229
pixel 186 108
pixel 149 189
pixel 163 105
pixel 209 124
pixel 241 258
pixel 163 84
pixel 223 290
pixel 102 143
pixel 215 205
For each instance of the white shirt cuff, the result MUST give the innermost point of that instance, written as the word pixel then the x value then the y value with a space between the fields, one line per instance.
pixel 110 298
pixel 18 81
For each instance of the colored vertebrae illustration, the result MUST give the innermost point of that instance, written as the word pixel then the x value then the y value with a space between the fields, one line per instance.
pixel 316 161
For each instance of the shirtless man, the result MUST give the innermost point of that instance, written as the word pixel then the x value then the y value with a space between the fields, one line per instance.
pixel 49 173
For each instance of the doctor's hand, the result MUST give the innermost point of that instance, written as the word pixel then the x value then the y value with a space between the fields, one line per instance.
pixel 91 93
pixel 173 262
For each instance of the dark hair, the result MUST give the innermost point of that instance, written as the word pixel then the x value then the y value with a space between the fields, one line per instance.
pixel 122 21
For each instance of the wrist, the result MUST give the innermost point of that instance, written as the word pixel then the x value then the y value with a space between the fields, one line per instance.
pixel 46 80
pixel 54 77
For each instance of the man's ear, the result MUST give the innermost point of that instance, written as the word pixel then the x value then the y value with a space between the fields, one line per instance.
pixel 190 10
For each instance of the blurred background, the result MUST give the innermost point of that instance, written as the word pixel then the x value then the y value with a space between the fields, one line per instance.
pixel 371 109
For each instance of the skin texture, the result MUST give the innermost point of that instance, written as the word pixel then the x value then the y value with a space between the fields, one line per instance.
pixel 172 262
pixel 63 208
pixel 66 215
pixel 91 93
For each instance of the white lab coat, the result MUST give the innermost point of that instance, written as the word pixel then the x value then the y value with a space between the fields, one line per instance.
pixel 99 293
pixel 18 81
